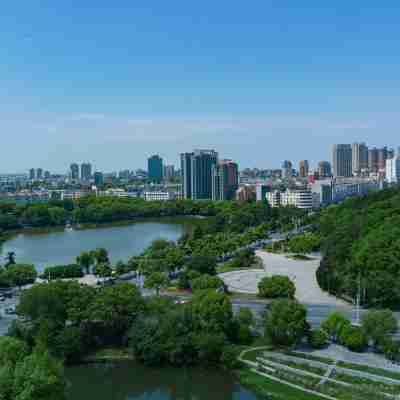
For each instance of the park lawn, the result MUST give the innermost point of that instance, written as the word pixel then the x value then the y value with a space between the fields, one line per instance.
pixel 271 389
pixel 371 370
pixel 110 353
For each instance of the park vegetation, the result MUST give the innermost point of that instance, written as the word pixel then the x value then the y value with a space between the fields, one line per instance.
pixel 361 249
pixel 276 286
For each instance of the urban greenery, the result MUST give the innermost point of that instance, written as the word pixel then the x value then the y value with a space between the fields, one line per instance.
pixel 276 286
pixel 361 249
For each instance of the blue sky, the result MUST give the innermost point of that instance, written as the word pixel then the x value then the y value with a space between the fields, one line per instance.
pixel 259 81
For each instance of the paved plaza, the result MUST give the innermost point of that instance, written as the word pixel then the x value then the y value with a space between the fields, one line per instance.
pixel 302 273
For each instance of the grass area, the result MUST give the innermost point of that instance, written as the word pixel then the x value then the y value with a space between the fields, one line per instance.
pixel 299 257
pixel 253 354
pixel 297 365
pixel 371 370
pixel 355 380
pixel 110 353
pixel 310 357
pixel 352 393
pixel 228 267
pixel 270 389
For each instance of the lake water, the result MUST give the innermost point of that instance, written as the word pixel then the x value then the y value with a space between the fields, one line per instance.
pixel 130 381
pixel 59 247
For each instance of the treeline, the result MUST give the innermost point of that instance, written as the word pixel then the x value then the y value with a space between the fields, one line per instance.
pixel 71 321
pixel 361 249
pixel 98 210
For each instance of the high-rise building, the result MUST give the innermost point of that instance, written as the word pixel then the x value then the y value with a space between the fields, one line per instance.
pixel 324 169
pixel 303 168
pixel 124 174
pixel 186 175
pixel 287 169
pixel 225 180
pixel 74 172
pixel 196 170
pixel 47 175
pixel 86 172
pixel 98 178
pixel 39 174
pixel 359 158
pixel 373 157
pixel 382 157
pixel 32 174
pixel 169 172
pixel 155 168
pixel 342 160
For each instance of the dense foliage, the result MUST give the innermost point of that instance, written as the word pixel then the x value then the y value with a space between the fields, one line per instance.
pixel 276 286
pixel 17 275
pixel 361 248
pixel 25 375
pixel 63 271
pixel 285 322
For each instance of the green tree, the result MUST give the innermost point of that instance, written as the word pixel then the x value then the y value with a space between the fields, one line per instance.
pixel 353 338
pixel 212 311
pixel 10 258
pixel 276 286
pixel 85 260
pixel 285 322
pixel 334 325
pixel 39 376
pixel 318 338
pixel 205 282
pixel 116 306
pixel 12 350
pixel 20 274
pixel 156 281
pixel 203 263
pixel 100 255
pixel 378 325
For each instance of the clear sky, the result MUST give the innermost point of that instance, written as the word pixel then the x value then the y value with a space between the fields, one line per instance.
pixel 112 82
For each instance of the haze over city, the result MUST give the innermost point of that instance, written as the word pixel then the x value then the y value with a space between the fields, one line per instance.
pixel 260 83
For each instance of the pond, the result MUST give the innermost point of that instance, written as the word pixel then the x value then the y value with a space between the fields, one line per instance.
pixel 60 246
pixel 129 381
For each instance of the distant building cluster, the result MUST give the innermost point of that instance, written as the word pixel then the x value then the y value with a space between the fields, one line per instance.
pixel 355 169
pixel 205 177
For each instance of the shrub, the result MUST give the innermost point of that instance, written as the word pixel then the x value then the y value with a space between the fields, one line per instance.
pixel 276 286
pixel 207 282
pixel 229 357
pixel 317 339
pixel 354 338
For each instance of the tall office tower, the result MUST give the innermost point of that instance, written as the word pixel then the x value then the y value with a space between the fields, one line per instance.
pixel 196 170
pixel 382 157
pixel 74 168
pixel 359 158
pixel 287 169
pixel 32 174
pixel 225 180
pixel 373 157
pixel 186 175
pixel 342 160
pixel 155 168
pixel 324 169
pixel 86 172
pixel 39 174
pixel 124 174
pixel 98 178
pixel 169 172
pixel 47 175
pixel 304 168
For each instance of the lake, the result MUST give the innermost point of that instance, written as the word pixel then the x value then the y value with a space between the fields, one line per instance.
pixel 60 246
pixel 130 381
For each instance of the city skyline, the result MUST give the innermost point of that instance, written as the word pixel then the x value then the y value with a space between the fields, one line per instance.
pixel 120 83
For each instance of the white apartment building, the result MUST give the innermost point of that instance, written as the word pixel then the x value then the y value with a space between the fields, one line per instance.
pixel 158 196
pixel 393 170
pixel 300 198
